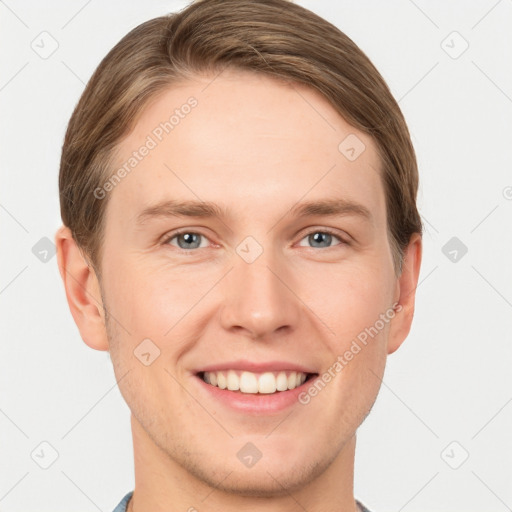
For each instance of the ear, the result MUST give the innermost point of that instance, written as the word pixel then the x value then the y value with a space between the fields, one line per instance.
pixel 82 290
pixel 406 293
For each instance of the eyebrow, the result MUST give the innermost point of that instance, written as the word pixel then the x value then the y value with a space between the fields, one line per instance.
pixel 206 209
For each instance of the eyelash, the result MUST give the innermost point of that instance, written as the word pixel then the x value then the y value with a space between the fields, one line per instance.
pixel 167 239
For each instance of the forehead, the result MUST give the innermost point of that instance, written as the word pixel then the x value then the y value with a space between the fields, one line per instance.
pixel 244 140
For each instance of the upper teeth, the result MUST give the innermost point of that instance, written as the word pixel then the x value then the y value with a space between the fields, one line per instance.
pixel 249 382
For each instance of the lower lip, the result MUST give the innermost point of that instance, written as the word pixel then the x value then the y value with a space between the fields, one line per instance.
pixel 259 403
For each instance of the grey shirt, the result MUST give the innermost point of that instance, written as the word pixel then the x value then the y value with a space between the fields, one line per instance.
pixel 124 503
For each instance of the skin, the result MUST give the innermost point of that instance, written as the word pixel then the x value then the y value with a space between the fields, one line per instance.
pixel 258 147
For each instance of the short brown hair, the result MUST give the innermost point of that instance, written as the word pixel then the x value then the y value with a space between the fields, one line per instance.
pixel 274 37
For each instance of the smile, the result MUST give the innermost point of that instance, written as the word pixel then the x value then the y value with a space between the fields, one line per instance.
pixel 255 383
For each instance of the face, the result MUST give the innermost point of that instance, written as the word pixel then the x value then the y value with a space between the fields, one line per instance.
pixel 264 285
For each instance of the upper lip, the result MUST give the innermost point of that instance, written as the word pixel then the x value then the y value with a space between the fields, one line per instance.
pixel 252 366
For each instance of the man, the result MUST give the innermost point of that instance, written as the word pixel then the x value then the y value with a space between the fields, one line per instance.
pixel 240 232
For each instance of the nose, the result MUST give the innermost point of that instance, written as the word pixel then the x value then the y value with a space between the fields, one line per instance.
pixel 260 298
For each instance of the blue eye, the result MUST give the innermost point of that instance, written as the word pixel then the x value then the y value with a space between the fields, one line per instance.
pixel 187 240
pixel 322 237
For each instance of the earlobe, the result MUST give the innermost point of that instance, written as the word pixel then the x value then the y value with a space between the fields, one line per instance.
pixel 406 285
pixel 82 290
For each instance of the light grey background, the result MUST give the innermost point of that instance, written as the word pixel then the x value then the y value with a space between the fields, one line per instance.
pixel 449 382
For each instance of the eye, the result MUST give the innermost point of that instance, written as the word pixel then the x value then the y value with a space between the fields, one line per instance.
pixel 186 240
pixel 323 238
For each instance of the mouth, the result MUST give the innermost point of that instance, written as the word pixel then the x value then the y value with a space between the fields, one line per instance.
pixel 256 383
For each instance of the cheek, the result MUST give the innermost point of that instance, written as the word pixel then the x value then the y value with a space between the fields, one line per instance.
pixel 351 300
pixel 356 304
pixel 158 303
pixel 139 297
